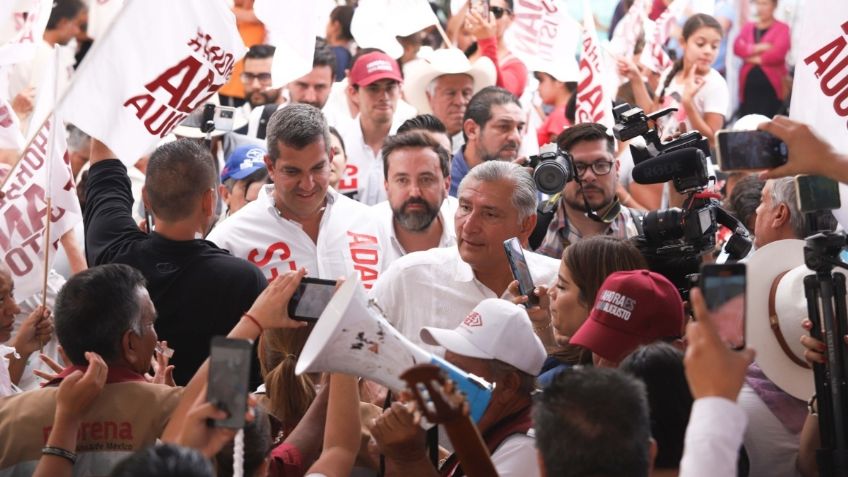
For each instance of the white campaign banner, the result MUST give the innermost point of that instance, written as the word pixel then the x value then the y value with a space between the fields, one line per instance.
pixel 594 104
pixel 293 25
pixel 160 60
pixel 820 87
pixel 24 207
pixel 545 37
pixel 10 128
pixel 377 23
pixel 22 24
pixel 628 30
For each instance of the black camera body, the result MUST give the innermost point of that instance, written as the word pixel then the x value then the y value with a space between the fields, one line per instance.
pixel 552 169
pixel 690 230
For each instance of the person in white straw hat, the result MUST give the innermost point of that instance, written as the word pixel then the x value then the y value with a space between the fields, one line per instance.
pixel 443 84
pixel 779 382
pixel 496 342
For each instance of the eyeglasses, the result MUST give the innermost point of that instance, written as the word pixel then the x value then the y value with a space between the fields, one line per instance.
pixel 249 77
pixel 599 168
pixel 498 12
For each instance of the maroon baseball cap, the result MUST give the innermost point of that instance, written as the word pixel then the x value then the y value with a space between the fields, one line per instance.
pixel 372 67
pixel 632 308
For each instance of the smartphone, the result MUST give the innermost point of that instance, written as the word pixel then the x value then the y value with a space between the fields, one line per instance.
pixel 723 287
pixel 311 297
pixel 520 270
pixel 479 6
pixel 749 150
pixel 817 193
pixel 229 372
pixel 224 118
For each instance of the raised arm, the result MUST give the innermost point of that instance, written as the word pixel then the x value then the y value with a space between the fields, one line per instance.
pixel 342 431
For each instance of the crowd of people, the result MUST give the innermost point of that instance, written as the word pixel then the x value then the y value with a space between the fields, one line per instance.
pixel 408 175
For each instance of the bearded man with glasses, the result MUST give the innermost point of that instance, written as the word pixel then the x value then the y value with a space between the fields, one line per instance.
pixel 587 205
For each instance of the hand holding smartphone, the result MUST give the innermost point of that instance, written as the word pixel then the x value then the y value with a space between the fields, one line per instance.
pixel 749 150
pixel 479 6
pixel 311 297
pixel 229 371
pixel 723 287
pixel 520 270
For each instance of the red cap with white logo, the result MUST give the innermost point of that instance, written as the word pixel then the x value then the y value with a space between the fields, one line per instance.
pixel 372 67
pixel 632 308
pixel 495 329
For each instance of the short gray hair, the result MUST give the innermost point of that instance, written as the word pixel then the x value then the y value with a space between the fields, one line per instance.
pixel 524 189
pixel 297 126
pixel 783 192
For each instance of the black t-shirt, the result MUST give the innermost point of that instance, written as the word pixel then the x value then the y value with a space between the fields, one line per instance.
pixel 199 290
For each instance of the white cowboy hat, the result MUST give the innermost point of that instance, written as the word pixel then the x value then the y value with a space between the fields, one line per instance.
pixel 774 308
pixel 444 62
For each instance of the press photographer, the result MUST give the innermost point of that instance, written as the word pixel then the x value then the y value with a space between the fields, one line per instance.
pixel 582 177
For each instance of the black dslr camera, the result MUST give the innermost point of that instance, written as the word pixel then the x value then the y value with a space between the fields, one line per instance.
pixel 683 161
pixel 552 169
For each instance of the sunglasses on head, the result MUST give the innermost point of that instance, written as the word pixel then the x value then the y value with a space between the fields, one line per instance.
pixel 498 12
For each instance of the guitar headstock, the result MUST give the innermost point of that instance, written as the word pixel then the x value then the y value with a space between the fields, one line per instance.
pixel 438 399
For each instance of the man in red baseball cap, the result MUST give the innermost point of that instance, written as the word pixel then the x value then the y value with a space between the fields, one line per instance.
pixel 374 85
pixel 632 308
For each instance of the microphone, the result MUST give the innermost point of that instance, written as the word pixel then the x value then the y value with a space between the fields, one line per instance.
pixel 685 162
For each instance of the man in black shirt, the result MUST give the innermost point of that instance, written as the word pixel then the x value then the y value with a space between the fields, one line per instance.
pixel 199 290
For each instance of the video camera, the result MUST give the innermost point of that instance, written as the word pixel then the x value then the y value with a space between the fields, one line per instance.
pixel 552 169
pixel 683 161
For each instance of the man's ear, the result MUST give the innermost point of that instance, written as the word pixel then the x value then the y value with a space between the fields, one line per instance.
pixel 224 193
pixel 130 347
pixel 269 164
pixel 471 129
pixel 652 455
pixel 527 226
pixel 144 198
pixel 509 386
pixel 207 202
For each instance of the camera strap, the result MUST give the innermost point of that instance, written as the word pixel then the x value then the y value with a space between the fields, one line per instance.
pixel 608 215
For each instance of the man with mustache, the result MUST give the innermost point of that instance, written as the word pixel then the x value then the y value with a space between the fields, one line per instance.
pixel 418 214
pixel 587 205
pixel 492 128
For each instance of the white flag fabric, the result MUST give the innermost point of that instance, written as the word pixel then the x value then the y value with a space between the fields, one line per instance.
pixel 10 128
pixel 545 37
pixel 22 24
pixel 376 23
pixel 292 26
pixel 653 54
pixel 25 207
pixel 100 16
pixel 820 87
pixel 628 30
pixel 160 60
pixel 594 104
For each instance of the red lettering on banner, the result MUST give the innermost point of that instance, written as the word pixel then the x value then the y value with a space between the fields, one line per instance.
pixel 5 117
pixel 363 252
pixel 89 431
pixel 285 253
pixel 823 60
pixel 349 181
pixel 180 89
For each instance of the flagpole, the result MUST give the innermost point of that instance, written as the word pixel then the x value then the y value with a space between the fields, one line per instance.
pixel 94 48
pixel 443 34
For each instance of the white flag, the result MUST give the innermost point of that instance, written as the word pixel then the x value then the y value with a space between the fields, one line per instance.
pixel 376 23
pixel 25 207
pixel 653 54
pixel 22 24
pixel 10 128
pixel 594 104
pixel 292 26
pixel 545 38
pixel 100 16
pixel 160 60
pixel 820 87
pixel 628 30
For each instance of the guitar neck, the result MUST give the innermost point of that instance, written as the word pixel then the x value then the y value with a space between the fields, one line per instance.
pixel 469 447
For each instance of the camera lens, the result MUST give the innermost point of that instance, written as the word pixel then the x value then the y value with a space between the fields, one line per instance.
pixel 663 225
pixel 550 177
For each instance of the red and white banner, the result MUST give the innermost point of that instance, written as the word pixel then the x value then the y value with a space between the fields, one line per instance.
pixel 292 26
pixel 820 87
pixel 160 60
pixel 10 128
pixel 22 24
pixel 100 16
pixel 24 208
pixel 594 104
pixel 653 54
pixel 545 38
pixel 628 30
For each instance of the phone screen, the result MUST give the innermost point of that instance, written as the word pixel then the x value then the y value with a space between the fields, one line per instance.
pixel 750 150
pixel 480 6
pixel 229 371
pixel 723 287
pixel 224 118
pixel 817 193
pixel 310 299
pixel 520 270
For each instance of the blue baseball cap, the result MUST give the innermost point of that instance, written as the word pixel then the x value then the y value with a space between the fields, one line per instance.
pixel 244 161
